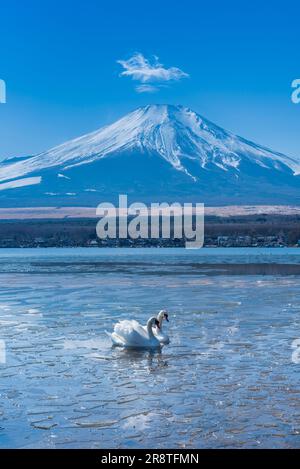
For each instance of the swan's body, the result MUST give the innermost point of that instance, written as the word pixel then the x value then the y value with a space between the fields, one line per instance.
pixel 158 332
pixel 131 334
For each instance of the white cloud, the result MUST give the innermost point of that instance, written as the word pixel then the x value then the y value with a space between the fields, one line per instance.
pixel 141 69
pixel 146 88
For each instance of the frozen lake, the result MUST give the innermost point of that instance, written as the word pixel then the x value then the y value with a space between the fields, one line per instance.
pixel 226 380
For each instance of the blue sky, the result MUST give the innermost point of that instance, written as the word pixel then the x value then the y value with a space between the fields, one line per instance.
pixel 59 62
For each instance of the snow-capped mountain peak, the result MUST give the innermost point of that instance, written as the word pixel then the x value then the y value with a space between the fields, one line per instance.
pixel 174 136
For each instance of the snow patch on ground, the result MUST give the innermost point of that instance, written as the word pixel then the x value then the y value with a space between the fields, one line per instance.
pixel 20 183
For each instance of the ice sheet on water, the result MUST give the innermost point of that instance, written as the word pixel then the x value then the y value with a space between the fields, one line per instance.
pixel 229 359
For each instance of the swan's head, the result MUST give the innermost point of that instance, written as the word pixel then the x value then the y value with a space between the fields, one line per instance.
pixel 163 315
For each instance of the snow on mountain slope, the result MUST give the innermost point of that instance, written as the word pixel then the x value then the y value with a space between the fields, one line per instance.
pixel 173 132
pixel 179 141
pixel 20 183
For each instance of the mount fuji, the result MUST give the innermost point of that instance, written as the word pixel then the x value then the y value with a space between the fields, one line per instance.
pixel 156 153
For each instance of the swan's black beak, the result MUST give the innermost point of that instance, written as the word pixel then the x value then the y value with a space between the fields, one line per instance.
pixel 157 323
pixel 166 317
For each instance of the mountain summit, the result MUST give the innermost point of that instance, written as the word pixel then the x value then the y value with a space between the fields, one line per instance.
pixel 155 153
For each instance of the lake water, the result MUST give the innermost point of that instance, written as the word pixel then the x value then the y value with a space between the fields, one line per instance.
pixel 227 379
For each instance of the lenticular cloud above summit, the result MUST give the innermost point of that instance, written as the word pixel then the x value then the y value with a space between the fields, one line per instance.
pixel 142 70
pixel 155 153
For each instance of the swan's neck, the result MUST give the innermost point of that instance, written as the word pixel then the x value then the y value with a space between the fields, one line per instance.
pixel 149 328
pixel 160 320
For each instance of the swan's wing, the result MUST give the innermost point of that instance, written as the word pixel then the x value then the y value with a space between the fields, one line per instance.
pixel 117 340
pixel 126 327
pixel 131 333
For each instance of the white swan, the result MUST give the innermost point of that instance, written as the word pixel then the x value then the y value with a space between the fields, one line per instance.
pixel 158 332
pixel 131 334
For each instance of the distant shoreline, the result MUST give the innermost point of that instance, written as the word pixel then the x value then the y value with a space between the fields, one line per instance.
pixel 37 213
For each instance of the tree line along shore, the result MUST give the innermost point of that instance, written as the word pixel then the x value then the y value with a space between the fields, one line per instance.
pixel 234 231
